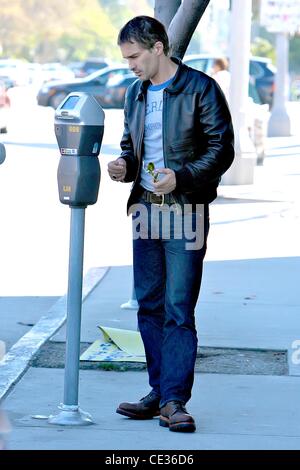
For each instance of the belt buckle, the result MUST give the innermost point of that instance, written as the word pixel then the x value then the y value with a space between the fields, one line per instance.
pixel 153 199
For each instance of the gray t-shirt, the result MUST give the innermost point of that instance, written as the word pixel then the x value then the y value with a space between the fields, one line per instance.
pixel 153 146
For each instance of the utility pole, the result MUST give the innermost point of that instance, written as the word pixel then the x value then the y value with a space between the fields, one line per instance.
pixel 279 124
pixel 242 169
pixel 283 18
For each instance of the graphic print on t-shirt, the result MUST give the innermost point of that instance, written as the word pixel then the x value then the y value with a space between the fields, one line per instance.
pixel 153 146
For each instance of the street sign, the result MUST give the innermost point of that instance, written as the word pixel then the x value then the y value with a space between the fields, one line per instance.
pixel 280 16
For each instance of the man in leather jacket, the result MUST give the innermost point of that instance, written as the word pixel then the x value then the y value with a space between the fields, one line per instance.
pixel 177 143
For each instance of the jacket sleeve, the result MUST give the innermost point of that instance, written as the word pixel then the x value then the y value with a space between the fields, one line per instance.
pixel 128 150
pixel 216 130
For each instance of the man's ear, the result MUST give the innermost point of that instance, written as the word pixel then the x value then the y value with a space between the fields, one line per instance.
pixel 158 48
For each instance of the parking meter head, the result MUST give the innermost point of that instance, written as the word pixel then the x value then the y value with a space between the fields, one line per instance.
pixel 79 125
pixel 79 128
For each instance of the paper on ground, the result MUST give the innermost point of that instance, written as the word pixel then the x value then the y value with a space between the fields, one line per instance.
pixel 116 345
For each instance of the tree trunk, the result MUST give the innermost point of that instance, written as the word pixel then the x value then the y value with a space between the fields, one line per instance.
pixel 165 11
pixel 184 22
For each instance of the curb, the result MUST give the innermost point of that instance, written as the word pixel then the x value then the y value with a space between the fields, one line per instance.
pixel 16 361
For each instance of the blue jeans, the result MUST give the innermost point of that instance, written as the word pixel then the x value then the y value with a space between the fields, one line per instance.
pixel 167 276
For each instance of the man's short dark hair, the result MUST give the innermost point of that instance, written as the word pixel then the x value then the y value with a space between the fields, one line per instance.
pixel 146 31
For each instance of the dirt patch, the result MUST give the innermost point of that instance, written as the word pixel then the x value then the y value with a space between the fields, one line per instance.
pixel 209 360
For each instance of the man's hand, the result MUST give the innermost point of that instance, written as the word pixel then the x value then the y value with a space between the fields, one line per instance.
pixel 117 169
pixel 167 183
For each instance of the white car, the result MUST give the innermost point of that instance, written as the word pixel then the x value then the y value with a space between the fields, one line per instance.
pixel 56 71
pixel 261 72
pixel 258 110
pixel 15 70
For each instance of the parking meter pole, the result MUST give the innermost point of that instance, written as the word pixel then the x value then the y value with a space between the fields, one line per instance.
pixel 74 306
pixel 79 127
pixel 70 413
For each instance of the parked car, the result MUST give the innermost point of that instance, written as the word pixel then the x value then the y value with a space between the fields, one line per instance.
pixel 257 119
pixel 261 71
pixel 35 75
pixel 52 94
pixel 4 108
pixel 113 95
pixel 14 70
pixel 55 71
pixel 91 65
pixel 8 82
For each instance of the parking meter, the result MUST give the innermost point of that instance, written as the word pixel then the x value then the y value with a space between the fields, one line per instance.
pixel 79 127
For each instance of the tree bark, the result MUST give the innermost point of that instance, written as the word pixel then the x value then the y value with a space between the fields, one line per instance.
pixel 184 23
pixel 165 10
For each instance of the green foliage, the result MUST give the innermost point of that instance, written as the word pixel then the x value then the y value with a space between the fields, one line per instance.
pixel 52 30
pixel 64 30
pixel 294 56
pixel 91 33
pixel 13 28
pixel 151 170
pixel 118 11
pixel 263 48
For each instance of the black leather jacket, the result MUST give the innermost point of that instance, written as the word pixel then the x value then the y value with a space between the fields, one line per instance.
pixel 197 135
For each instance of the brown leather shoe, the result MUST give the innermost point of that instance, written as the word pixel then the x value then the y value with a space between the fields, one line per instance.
pixel 146 408
pixel 175 417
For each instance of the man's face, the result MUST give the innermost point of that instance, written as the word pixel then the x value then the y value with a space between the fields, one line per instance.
pixel 143 62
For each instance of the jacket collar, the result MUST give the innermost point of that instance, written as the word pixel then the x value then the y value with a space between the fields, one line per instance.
pixel 177 84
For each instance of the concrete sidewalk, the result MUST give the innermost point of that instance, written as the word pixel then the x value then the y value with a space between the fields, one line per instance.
pixel 232 412
pixel 249 300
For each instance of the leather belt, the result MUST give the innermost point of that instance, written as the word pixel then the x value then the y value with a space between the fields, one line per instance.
pixel 148 196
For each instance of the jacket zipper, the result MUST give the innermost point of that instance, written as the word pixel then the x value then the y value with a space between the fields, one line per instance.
pixel 163 126
pixel 139 144
pixel 165 96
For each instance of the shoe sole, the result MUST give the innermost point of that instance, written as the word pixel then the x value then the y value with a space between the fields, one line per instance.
pixel 135 416
pixel 177 427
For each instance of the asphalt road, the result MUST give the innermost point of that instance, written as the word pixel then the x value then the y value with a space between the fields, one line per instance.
pixel 34 235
